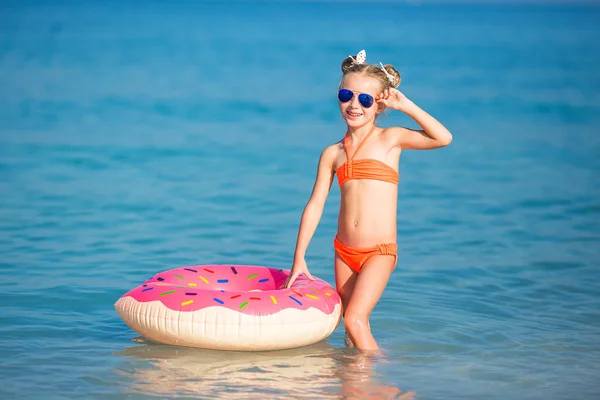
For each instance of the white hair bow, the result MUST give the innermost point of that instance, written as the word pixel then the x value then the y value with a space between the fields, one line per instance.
pixel 391 78
pixel 361 57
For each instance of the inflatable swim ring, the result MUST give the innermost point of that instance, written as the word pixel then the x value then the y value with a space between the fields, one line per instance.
pixel 231 307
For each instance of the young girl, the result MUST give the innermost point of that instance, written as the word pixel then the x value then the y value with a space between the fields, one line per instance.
pixel 366 165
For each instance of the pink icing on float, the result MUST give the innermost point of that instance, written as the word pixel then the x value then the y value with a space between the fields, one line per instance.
pixel 230 286
pixel 231 307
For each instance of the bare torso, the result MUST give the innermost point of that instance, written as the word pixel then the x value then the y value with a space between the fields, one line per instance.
pixel 368 208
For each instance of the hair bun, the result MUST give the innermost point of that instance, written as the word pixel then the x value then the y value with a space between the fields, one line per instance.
pixel 395 75
pixel 360 58
pixel 347 64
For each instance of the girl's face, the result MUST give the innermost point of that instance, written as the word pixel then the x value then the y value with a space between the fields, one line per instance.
pixel 355 111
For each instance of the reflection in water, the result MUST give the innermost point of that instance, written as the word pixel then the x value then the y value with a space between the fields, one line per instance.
pixel 319 371
pixel 358 381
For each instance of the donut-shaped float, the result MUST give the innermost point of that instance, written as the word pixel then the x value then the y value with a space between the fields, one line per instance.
pixel 231 307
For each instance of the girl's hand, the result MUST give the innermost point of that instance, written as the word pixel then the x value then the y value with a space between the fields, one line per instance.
pixel 298 268
pixel 394 99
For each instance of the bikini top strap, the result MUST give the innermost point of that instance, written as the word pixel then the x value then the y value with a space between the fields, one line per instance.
pixel 359 145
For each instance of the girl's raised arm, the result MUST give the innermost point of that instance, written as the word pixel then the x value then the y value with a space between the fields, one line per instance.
pixel 432 136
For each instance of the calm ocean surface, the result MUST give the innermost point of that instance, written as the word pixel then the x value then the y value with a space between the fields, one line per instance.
pixel 141 137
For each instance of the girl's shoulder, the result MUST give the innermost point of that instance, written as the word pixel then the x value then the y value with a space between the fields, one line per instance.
pixel 331 153
pixel 335 148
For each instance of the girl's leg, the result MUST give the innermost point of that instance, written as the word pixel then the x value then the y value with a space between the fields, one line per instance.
pixel 368 288
pixel 345 278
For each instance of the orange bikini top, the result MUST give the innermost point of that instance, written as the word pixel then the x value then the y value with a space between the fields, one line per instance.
pixel 365 168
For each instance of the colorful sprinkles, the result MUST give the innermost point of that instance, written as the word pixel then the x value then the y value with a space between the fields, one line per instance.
pixel 296 300
pixel 183 278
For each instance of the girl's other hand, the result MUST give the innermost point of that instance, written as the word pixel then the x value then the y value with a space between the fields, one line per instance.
pixel 299 267
pixel 393 98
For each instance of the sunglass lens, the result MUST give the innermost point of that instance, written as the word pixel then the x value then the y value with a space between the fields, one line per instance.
pixel 366 100
pixel 345 95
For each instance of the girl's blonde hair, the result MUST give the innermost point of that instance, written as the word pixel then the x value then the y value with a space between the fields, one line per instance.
pixel 390 78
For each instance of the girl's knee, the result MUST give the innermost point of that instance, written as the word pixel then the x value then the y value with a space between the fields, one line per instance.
pixel 354 322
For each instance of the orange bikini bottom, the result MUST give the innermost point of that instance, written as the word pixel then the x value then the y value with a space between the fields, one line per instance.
pixel 356 257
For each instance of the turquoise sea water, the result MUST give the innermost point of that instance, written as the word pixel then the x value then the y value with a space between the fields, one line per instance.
pixel 143 136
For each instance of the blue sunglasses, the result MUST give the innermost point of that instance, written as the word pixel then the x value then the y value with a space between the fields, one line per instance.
pixel 365 100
